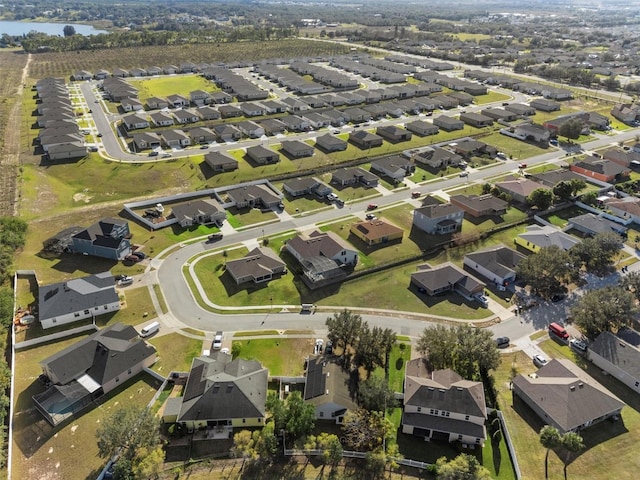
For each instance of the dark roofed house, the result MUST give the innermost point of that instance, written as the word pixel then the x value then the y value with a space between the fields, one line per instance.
pixel 544 104
pixel 74 300
pixel 445 278
pixel 601 169
pixel 199 212
pixel 565 397
pixel 592 224
pixel 297 149
pixel 107 238
pixel 497 264
pixel 220 394
pixel 254 196
pixel 393 133
pixel 305 186
pixel 91 368
pixel 448 124
pixel 469 148
pixel 476 119
pixel 618 355
pixel 258 266
pixel 262 155
pixel 327 389
pixel 437 157
pixel 519 188
pixel 395 167
pixel 441 405
pixel 422 128
pixel 220 162
pixel 480 205
pixel 363 139
pixel 438 219
pixel 551 178
pixel 354 176
pixel 329 143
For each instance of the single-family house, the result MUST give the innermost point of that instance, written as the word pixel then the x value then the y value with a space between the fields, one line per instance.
pixel 161 119
pixel 519 188
pixel 68 150
pixel 250 109
pixel 469 148
pixel 394 134
pixel 273 126
pixel 354 176
pixel 131 104
pixel 177 101
pixel 198 212
pixel 146 140
pixel 175 139
pixel 601 169
pixel 327 389
pixel 250 129
pixel 626 208
pixel 227 133
pixel 306 186
pixel 480 205
pixel 74 300
pixel 626 113
pixel 438 218
pixel 376 232
pixel 395 167
pixel 262 155
pixel 544 104
pixel 295 123
pixel 476 119
pixel 436 158
pixel 497 264
pixel 156 103
pixel 591 224
pixel 322 256
pixel 422 128
pixel 446 278
pixel 208 113
pixel 258 266
pixel 186 116
pixel 618 355
pixel 448 124
pixel 89 369
pixel 201 135
pixel 364 139
pixel 331 143
pixel 537 237
pixel 297 149
pixel 498 114
pixel 220 162
pixel 229 111
pixel 564 396
pixel 254 196
pixel 221 394
pixel 441 405
pixel 82 75
pixel 135 121
pixel 107 238
pixel 521 109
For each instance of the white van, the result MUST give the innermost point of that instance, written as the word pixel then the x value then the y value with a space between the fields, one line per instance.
pixel 150 329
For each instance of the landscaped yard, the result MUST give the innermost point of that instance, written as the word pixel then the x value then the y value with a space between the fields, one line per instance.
pixel 165 85
pixel 282 356
pixel 70 451
pixel 614 441
pixel 175 352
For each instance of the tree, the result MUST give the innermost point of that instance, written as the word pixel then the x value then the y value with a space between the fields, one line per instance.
pixel 577 185
pixel 563 190
pixel 374 394
pixel 364 430
pixel 278 410
pixel 604 309
pixel 631 282
pixel 344 330
pixel 149 462
pixel 571 443
pixel 549 438
pixel 374 464
pixel 541 198
pixel 571 128
pixel 547 271
pixel 438 343
pixel 463 466
pixel 331 448
pixel 597 254
pixel 300 417
pixel 127 430
pixel 69 30
pixel 244 445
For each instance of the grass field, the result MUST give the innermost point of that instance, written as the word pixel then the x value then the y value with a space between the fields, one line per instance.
pixel 71 450
pixel 167 85
pixel 282 356
pixel 175 352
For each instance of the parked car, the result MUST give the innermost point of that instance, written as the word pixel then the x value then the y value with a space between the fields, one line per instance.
pixel 464 174
pixel 502 342
pixel 93 149
pixel 214 237
pixel 482 299
pixel 370 216
pixel 553 142
pixel 140 255
pixel 539 360
pixel 372 206
pixel 99 134
pixel 131 259
pixel 328 350
pixel 578 345
pixel 217 341
pixel 126 280
pixel 332 197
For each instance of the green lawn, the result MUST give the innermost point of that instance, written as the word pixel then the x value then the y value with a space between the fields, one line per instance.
pixel 170 85
pixel 611 447
pixel 513 147
pixel 491 97
pixel 282 356
pixel 175 352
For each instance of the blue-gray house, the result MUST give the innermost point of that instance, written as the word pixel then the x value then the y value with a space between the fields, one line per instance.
pixel 108 238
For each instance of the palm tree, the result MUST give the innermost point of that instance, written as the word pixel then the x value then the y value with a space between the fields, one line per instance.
pixel 549 438
pixel 572 443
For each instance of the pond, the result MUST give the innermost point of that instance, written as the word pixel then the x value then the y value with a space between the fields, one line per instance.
pixel 14 28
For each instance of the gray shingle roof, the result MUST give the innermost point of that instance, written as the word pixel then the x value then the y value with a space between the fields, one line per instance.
pixel 76 295
pixel 500 260
pixel 257 263
pixel 618 351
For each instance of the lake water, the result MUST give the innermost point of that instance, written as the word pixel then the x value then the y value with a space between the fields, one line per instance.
pixel 22 28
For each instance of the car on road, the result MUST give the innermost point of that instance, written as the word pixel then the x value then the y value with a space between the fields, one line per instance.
pixel 93 149
pixel 204 146
pixel 153 154
pixel 99 134
pixel 217 341
pixel 464 174
pixel 328 350
pixel 318 346
pixel 96 101
pixel 539 361
pixel 335 132
pixel 502 342
pixel 166 155
pixel 372 206
pixel 415 194
pixel 522 165
pixel 370 216
pixel 214 237
pixel 501 155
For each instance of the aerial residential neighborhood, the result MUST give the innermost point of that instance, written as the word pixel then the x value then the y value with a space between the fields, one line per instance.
pixel 359 241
